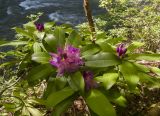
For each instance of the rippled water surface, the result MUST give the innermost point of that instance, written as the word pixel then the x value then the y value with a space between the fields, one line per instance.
pixel 13 12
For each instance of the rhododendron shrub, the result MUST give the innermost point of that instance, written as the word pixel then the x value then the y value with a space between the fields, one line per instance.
pixel 63 65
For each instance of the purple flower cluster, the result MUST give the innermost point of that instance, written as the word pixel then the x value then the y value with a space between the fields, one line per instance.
pixel 66 60
pixel 39 27
pixel 121 50
pixel 89 82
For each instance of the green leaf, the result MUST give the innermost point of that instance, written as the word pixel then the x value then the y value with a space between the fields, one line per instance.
pixel 102 59
pixel 115 40
pixel 130 74
pixel 62 107
pixel 155 70
pixel 12 107
pixel 13 43
pixel 57 97
pixel 134 46
pixel 39 35
pixel 51 41
pixel 49 25
pixel 141 68
pixel 149 57
pixel 30 26
pixel 39 72
pixel 37 47
pixel 74 39
pixel 91 51
pixel 24 33
pixel 108 79
pixel 105 46
pixel 77 81
pixel 3 42
pixel 25 111
pixel 9 63
pixel 41 57
pixel 115 97
pixel 55 84
pixel 34 111
pixel 152 82
pixel 100 104
pixel 60 36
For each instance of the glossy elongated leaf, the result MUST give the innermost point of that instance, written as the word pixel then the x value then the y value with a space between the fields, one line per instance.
pixel 134 46
pixel 40 72
pixel 23 32
pixel 155 70
pixel 145 78
pixel 13 43
pixel 55 84
pixel 149 57
pixel 130 74
pixel 36 47
pixel 51 41
pixel 62 107
pixel 34 111
pixel 153 82
pixel 57 97
pixel 12 107
pixel 108 79
pixel 101 63
pixel 60 36
pixel 115 40
pixel 105 46
pixel 99 104
pixel 49 25
pixel 3 41
pixel 102 59
pixel 41 57
pixel 91 51
pixel 121 101
pixel 141 68
pixel 30 26
pixel 117 98
pixel 25 111
pixel 74 39
pixel 11 63
pixel 40 35
pixel 77 81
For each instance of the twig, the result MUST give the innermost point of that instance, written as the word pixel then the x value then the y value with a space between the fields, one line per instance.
pixel 88 14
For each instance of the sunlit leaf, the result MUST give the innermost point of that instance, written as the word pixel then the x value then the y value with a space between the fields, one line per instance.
pixel 57 97
pixel 60 36
pixel 130 74
pixel 14 43
pixel 98 103
pixel 41 57
pixel 39 72
pixel 149 57
pixel 134 46
pixel 108 79
pixel 102 59
pixel 77 81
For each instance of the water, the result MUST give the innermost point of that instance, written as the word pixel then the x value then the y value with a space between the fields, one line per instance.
pixel 14 12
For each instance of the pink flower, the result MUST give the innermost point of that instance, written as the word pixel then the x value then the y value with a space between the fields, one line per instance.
pixel 66 60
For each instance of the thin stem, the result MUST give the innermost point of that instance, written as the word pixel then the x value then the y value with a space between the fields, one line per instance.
pixel 88 14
